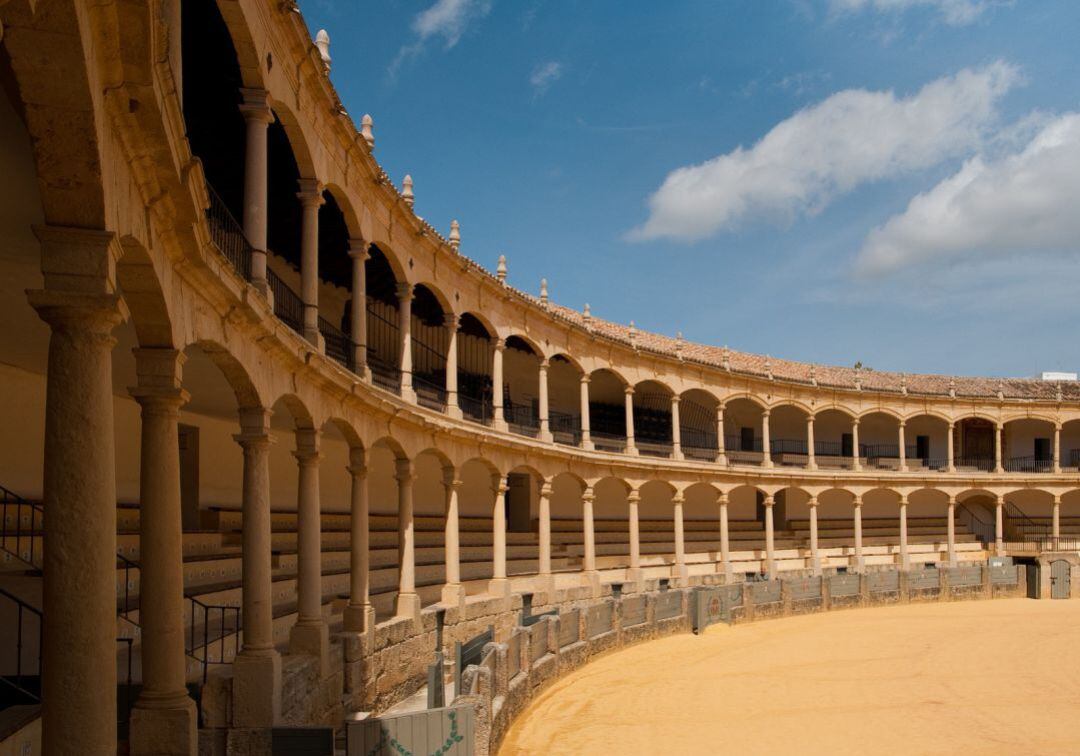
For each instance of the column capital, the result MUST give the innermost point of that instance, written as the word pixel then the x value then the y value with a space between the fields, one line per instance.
pixel 722 498
pixel 359 472
pixel 768 501
pixel 633 497
pixel 903 500
pixel 357 458
pixel 628 390
pixel 254 426
pixel 404 470
pixel 588 494
pixel 812 502
pixel 255 105
pixel 311 192
pixel 546 489
pixel 159 398
pixel 451 320
pixel 307 446
pixel 404 292
pixel 675 398
pixel 765 413
pixel 359 249
pixel 678 498
pixel 585 378
pixel 857 501
pixel 450 479
pixel 952 500
pixel 545 363
pixel 500 344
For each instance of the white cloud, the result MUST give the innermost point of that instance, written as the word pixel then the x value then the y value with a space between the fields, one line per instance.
pixel 1019 203
pixel 956 12
pixel 447 19
pixel 544 75
pixel 804 162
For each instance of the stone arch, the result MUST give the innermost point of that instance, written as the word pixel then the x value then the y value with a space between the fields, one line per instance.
pixel 303 149
pixel 345 203
pixel 140 285
pixel 347 431
pixel 297 409
pixel 235 373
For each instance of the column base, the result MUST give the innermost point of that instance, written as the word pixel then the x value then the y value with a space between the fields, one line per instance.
pixel 312 639
pixel 256 690
pixel 263 287
pixel 408 605
pixel 408 394
pixel 591 580
pixel 500 425
pixel 499 587
pixel 544 584
pixel 453 594
pixel 858 564
pixel 635 575
pixel 546 437
pixel 358 618
pixel 170 729
pixel 815 566
pixel 680 572
pixel 454 411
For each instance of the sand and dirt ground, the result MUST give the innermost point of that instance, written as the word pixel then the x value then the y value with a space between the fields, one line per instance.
pixel 979 677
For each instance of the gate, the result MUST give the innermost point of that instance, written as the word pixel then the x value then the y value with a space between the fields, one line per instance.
pixel 1059 579
pixel 449 731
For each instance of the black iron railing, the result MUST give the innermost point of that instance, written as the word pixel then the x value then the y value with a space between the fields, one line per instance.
pixel 125 693
pixel 26 680
pixel 654 448
pixel 604 441
pixel 429 393
pixel 1029 465
pixel 287 303
pixel 126 602
pixel 339 347
pixel 478 409
pixel 787 446
pixel 735 444
pixel 212 630
pixel 565 427
pixel 981 529
pixel 522 418
pixel 983 464
pixel 698 444
pixel 21 528
pixel 228 235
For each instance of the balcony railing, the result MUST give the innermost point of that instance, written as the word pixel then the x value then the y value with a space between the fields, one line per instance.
pixel 384 375
pixel 228 235
pixel 429 393
pixel 654 448
pixel 477 409
pixel 565 428
pixel 983 464
pixel 607 441
pixel 522 419
pixel 1029 465
pixel 287 304
pixel 339 347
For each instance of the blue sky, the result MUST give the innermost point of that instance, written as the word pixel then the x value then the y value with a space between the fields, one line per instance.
pixel 890 181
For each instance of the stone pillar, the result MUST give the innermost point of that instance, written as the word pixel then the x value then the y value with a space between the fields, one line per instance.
pixel 997 449
pixel 905 557
pixel 256 689
pixel 815 554
pixel 499 585
pixel 452 592
pixel 81 308
pixel 545 426
pixel 452 407
pixel 766 458
pixel 1055 525
pixel 1057 447
pixel 164 718
pixel 811 461
pixel 860 562
pixel 950 460
pixel 311 199
pixel 499 420
pixel 725 538
pixel 258 116
pixel 591 575
pixel 359 614
pixel 856 457
pixel 770 552
pixel 405 298
pixel 631 447
pixel 676 429
pixel 951 530
pixel 903 447
pixel 408 602
pixel 358 252
pixel 633 498
pixel 310 635
pixel 999 524
pixel 677 501
pixel 586 442
pixel 721 453
pixel 545 529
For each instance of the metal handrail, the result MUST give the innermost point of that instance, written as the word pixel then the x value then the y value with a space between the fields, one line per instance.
pixel 288 306
pixel 429 394
pixel 227 234
pixel 1029 464
pixel 225 629
pixel 28 536
pixel 19 683
pixel 984 531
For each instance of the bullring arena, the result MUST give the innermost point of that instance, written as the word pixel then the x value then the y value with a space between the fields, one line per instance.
pixel 415 507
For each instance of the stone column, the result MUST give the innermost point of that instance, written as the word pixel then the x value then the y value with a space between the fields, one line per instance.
pixel 452 407
pixel 905 558
pixel 721 453
pixel 545 426
pixel 359 614
pixel 951 530
pixel 770 552
pixel 860 562
pixel 586 442
pixel 359 253
pixel 677 502
pixel 1057 447
pixel 405 297
pixel 164 718
pixel 766 458
pixel 950 459
pixel 1055 525
pixel 676 429
pixel 256 689
pixel 499 420
pixel 811 461
pixel 815 554
pixel 258 116
pixel 633 498
pixel 591 575
pixel 628 403
pixel 499 585
pixel 856 457
pixel 452 592
pixel 79 583
pixel 311 199
pixel 999 524
pixel 903 447
pixel 408 602
pixel 725 538
pixel 997 449
pixel 310 635
pixel 545 529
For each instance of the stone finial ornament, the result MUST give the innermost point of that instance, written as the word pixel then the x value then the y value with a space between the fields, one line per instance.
pixel 586 315
pixel 543 293
pixel 407 190
pixel 500 270
pixel 679 345
pixel 1001 390
pixel 768 367
pixel 455 235
pixel 632 333
pixel 903 384
pixel 725 359
pixel 366 126
pixel 952 388
pixel 858 378
pixel 322 41
pixel 813 375
pixel 1059 395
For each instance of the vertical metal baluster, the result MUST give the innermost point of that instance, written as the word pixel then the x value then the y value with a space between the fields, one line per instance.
pixel 18 648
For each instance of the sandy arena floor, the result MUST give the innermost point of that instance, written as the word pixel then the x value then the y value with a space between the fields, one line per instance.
pixel 975 677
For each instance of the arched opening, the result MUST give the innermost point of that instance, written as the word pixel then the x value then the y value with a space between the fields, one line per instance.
pixel 701 527
pixel 652 419
pixel 927 443
pixel 383 316
pixel 1027 446
pixel 788 435
pixel 476 502
pixel 475 348
pixel 742 431
pixel 974 444
pixel 879 446
pixel 1070 445
pixel 564 400
pixel 335 283
pixel 429 344
pixel 697 425
pixel 521 388
pixel 834 439
pixel 656 525
pixel 607 411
